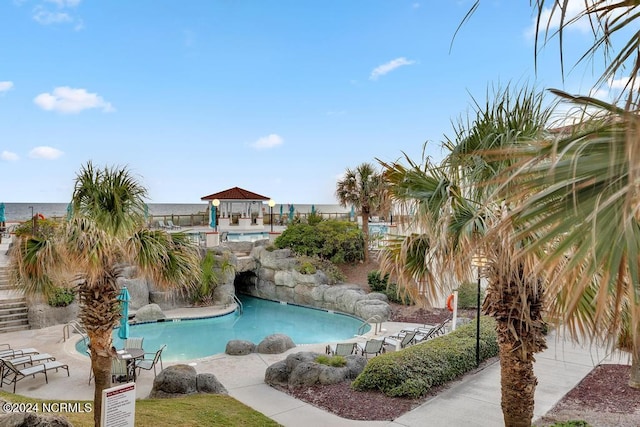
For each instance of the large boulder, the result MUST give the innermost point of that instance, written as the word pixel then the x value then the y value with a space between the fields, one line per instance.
pixel 277 374
pixel 239 347
pixel 43 315
pixel 208 383
pixel 275 344
pixel 301 370
pixel 370 308
pixel 175 381
pixel 138 291
pixel 149 313
pixel 33 420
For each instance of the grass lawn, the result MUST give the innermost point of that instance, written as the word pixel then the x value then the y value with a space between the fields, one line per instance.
pixel 190 411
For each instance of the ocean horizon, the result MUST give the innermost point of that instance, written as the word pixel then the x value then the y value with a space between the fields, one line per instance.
pixel 17 212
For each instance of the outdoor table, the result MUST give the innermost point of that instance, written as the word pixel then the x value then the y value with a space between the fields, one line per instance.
pixel 131 355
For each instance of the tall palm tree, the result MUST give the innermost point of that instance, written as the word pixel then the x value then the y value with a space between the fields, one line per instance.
pixel 458 214
pixel 363 188
pixel 104 233
pixel 587 210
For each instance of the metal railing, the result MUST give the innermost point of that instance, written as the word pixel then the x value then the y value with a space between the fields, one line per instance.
pixel 375 320
pixel 240 307
pixel 66 330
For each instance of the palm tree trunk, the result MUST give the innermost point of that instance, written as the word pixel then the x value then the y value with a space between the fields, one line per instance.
pixel 518 383
pixel 101 355
pixel 365 231
pixel 516 304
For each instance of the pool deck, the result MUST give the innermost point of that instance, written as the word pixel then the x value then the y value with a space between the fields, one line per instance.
pixel 471 401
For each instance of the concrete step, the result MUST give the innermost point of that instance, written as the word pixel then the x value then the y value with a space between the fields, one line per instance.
pixel 15 310
pixel 14 328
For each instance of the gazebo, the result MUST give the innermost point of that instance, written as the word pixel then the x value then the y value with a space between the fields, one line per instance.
pixel 237 207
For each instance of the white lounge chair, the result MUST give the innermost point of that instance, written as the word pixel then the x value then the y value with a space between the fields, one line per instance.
pixel 11 374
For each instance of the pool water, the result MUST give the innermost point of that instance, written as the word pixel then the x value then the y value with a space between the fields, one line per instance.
pixel 193 339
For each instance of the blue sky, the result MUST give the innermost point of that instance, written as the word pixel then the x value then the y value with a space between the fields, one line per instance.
pixel 277 97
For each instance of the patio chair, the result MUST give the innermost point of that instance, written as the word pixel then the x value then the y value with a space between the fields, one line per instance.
pixel 161 224
pixel 374 347
pixel 402 339
pixel 30 359
pixel 11 374
pixel 224 236
pixel 7 351
pixel 133 342
pixel 148 364
pixel 425 333
pixel 172 226
pixel 120 371
pixel 342 349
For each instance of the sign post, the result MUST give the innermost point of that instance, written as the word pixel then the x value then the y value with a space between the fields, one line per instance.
pixel 119 406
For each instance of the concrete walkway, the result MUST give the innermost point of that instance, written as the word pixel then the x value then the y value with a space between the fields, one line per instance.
pixel 472 401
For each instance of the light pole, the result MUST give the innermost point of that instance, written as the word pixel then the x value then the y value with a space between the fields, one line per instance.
pixel 271 203
pixel 214 203
pixel 33 221
pixel 478 262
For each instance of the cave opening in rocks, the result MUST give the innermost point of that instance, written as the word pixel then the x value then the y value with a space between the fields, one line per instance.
pixel 245 282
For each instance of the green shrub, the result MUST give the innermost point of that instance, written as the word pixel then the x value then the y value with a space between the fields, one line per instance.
pixel 337 241
pixel 468 295
pixel 213 271
pixel 382 285
pixel 310 265
pixel 335 361
pixel 307 267
pixel 414 370
pixel 61 297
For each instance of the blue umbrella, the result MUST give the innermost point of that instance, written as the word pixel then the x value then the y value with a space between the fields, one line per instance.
pixel 313 209
pixel 123 331
pixel 212 219
pixel 281 208
pixel 2 218
pixel 291 212
pixel 69 211
pixel 352 213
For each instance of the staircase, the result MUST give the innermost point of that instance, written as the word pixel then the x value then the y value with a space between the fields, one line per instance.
pixel 13 305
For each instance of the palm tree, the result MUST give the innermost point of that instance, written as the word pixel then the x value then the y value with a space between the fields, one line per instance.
pixel 104 234
pixel 586 208
pixel 458 213
pixel 363 188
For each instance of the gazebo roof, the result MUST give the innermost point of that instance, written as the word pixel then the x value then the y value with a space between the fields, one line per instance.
pixel 235 193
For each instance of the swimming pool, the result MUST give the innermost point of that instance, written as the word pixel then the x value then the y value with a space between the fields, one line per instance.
pixel 249 236
pixel 193 339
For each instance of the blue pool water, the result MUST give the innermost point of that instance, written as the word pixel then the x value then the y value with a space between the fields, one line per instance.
pixel 192 339
pixel 249 236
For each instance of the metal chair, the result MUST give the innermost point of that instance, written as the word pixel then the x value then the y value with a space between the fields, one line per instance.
pixel 148 364
pixel 133 342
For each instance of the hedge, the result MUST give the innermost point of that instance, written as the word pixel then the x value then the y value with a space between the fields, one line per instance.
pixel 411 372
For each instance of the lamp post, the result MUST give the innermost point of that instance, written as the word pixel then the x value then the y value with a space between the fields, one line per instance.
pixel 214 203
pixel 33 221
pixel 271 204
pixel 478 263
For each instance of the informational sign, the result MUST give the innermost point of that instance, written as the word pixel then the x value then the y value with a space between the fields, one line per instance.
pixel 119 406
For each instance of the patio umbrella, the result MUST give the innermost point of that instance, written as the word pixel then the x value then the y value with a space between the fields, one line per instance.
pixel 292 210
pixel 2 217
pixel 123 331
pixel 212 219
pixel 69 211
pixel 352 213
pixel 313 209
pixel 281 209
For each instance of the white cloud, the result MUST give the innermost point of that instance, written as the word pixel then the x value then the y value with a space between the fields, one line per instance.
pixel 267 142
pixel 45 17
pixel 383 69
pixel 69 100
pixel 65 3
pixel 44 152
pixel 9 156
pixel 622 83
pixel 551 23
pixel 5 86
